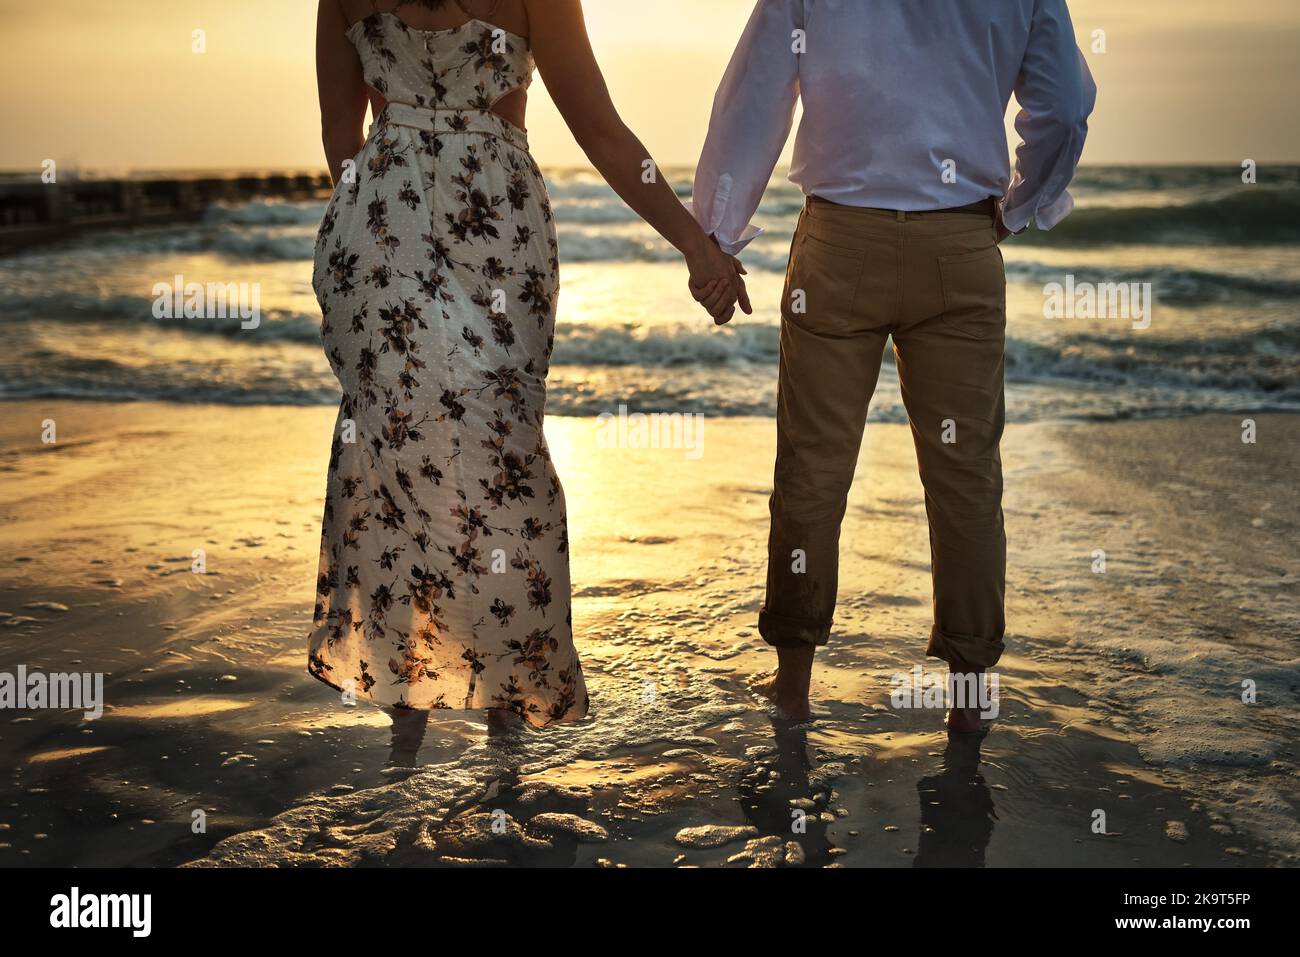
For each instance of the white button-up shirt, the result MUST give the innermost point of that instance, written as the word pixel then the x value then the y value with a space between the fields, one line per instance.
pixel 904 106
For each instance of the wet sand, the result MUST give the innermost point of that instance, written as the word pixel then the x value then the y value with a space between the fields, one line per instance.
pixel 1121 691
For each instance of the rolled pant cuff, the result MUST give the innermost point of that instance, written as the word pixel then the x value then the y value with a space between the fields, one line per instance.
pixel 781 632
pixel 964 652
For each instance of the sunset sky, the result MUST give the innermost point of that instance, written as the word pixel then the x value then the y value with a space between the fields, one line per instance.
pixel 113 85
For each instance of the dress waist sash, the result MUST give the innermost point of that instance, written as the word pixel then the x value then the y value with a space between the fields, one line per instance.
pixel 450 121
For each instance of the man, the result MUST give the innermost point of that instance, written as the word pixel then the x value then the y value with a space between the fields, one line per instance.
pixel 902 154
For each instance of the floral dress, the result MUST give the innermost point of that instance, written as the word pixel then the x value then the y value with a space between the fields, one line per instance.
pixel 444 571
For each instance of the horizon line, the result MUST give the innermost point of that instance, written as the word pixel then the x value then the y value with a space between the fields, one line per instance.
pixel 91 172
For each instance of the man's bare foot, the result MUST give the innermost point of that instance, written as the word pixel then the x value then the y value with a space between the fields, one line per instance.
pixel 788 688
pixel 964 721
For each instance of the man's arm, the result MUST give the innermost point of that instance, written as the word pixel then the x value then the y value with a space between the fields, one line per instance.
pixel 752 115
pixel 1056 96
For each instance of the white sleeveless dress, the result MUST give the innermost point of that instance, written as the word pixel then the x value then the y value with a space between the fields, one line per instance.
pixel 444 572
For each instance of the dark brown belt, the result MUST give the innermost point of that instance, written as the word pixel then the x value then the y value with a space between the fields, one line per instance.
pixel 985 207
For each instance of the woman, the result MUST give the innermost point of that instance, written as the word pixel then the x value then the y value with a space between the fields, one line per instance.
pixel 444 576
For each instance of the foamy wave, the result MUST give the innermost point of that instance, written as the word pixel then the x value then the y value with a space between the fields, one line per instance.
pixel 279 243
pixel 1249 216
pixel 1170 285
pixel 725 372
pixel 266 213
pixel 276 325
pixel 657 346
pixel 1266 362
pixel 596 226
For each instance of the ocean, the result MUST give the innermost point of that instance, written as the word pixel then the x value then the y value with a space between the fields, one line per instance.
pixel 1222 260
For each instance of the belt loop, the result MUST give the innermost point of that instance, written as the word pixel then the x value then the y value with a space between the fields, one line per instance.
pixel 902 216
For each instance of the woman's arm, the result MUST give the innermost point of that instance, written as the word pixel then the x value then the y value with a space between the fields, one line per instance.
pixel 342 88
pixel 576 84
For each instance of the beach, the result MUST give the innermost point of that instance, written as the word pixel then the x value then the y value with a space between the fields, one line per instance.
pixel 1122 738
pixel 163 484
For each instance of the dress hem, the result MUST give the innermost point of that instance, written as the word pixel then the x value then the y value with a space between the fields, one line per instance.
pixel 567 718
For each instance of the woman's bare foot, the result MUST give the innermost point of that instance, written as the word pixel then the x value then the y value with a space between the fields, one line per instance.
pixel 409 725
pixel 502 723
pixel 788 688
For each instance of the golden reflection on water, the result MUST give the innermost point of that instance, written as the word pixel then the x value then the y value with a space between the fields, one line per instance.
pixel 60 754
pixel 196 706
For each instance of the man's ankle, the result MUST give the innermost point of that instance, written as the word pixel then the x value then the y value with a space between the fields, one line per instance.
pixel 794 667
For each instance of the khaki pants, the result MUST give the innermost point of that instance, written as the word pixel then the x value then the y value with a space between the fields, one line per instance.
pixel 935 282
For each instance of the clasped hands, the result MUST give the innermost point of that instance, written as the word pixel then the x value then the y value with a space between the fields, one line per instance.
pixel 716 282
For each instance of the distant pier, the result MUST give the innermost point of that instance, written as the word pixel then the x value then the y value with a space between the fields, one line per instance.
pixel 32 212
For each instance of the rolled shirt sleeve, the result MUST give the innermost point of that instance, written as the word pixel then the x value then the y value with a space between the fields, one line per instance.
pixel 1056 94
pixel 753 113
